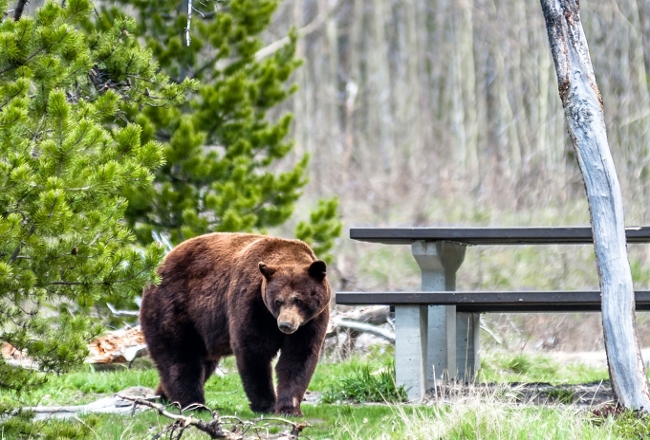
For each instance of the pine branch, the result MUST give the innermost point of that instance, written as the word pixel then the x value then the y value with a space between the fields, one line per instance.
pixel 30 57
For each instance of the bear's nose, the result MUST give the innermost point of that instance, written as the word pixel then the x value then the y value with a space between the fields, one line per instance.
pixel 286 327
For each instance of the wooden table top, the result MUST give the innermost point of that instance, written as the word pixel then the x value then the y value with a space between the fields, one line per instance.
pixel 491 236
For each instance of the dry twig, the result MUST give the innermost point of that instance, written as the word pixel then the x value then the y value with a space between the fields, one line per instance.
pixel 238 428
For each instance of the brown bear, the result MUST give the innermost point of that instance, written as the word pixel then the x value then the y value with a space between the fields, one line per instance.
pixel 242 294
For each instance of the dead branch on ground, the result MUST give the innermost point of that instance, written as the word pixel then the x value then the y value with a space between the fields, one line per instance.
pixel 226 427
pixel 352 323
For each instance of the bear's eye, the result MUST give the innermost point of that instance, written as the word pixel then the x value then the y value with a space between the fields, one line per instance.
pixel 278 302
pixel 297 302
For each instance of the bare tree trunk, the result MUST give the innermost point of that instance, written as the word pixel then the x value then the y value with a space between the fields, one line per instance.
pixel 300 79
pixel 584 117
pixel 20 7
pixel 379 85
pixel 465 39
pixel 352 89
pixel 332 102
pixel 644 22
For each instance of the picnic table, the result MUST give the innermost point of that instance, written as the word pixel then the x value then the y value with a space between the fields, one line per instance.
pixel 437 329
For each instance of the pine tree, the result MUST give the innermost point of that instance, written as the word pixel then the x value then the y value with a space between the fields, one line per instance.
pixel 220 147
pixel 322 228
pixel 65 157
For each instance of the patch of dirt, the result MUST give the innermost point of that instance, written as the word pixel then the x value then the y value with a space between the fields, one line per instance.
pixel 312 397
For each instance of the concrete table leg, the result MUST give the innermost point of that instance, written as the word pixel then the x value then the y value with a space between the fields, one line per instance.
pixel 411 349
pixel 451 349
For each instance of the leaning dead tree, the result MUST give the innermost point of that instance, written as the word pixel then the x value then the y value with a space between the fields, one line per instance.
pixel 583 112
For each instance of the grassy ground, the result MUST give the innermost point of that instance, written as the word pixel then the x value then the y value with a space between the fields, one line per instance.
pixel 494 416
pixel 498 366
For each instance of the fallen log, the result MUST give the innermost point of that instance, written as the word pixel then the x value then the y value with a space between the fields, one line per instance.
pixel 376 315
pixel 373 315
pixel 338 325
pixel 17 358
pixel 115 404
pixel 118 346
pixel 352 323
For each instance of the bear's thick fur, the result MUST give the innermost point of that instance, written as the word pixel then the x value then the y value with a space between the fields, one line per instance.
pixel 242 294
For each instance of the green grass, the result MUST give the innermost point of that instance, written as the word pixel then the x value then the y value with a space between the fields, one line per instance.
pixel 495 419
pixel 493 416
pixel 365 386
pixel 84 386
pixel 524 367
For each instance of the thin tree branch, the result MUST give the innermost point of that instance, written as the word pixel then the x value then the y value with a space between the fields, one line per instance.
pixel 189 23
pixel 313 26
pixel 18 12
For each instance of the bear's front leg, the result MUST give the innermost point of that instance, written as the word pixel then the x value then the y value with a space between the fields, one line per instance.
pixel 256 376
pixel 298 359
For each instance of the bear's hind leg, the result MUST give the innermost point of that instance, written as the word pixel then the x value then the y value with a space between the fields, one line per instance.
pixel 160 391
pixel 182 381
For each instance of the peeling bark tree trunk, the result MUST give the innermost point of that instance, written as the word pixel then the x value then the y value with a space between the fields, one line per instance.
pixel 583 112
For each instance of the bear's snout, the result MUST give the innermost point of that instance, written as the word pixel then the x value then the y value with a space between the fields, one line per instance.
pixel 289 321
pixel 287 327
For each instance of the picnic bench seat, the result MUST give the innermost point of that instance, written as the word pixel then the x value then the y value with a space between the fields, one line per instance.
pixel 437 329
pixel 493 301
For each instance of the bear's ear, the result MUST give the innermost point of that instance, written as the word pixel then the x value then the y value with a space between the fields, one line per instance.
pixel 267 271
pixel 318 270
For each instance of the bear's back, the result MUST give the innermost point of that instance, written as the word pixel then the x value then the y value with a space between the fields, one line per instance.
pixel 217 254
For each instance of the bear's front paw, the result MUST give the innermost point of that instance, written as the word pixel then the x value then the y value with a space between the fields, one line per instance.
pixel 289 411
pixel 262 407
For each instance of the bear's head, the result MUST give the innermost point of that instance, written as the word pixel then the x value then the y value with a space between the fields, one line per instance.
pixel 294 294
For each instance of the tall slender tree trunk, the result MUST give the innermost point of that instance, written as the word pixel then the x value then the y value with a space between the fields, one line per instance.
pixel 300 79
pixel 330 127
pixel 353 83
pixel 468 89
pixel 583 111
pixel 380 116
pixel 380 83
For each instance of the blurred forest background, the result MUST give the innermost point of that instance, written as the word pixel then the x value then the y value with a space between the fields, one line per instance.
pixel 404 102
